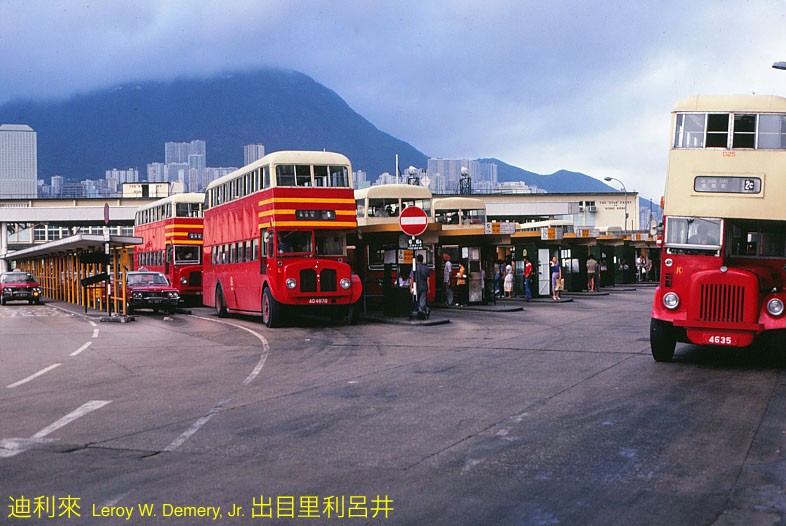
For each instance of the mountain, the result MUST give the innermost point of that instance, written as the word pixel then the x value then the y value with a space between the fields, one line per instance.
pixel 126 126
pixel 561 181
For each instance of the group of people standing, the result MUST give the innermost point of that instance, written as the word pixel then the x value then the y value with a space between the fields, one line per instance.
pixel 504 280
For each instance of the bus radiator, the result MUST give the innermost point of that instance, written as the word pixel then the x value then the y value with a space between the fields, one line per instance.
pixel 722 303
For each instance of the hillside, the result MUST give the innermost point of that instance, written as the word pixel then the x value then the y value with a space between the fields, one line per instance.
pixel 126 126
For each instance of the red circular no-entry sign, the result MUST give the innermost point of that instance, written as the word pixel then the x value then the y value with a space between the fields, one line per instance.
pixel 413 220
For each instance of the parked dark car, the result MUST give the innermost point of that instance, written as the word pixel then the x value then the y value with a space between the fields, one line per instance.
pixel 150 290
pixel 19 286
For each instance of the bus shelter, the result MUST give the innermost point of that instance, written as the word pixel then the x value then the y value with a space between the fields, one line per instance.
pixel 81 269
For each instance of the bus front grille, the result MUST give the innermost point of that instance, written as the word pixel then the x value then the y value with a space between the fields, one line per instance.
pixel 308 280
pixel 722 303
pixel 195 279
pixel 327 280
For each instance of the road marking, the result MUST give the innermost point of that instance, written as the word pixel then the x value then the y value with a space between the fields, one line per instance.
pixel 265 347
pixel 95 333
pixel 10 447
pixel 33 376
pixel 82 348
pixel 91 322
pixel 185 435
pixel 70 417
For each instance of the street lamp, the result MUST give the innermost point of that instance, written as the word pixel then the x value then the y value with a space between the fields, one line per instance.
pixel 779 65
pixel 607 179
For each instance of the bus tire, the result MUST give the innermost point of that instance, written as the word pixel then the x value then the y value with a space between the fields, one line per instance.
pixel 221 305
pixel 352 314
pixel 662 340
pixel 271 310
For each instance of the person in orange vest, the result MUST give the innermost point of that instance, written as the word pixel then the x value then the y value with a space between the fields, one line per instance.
pixel 461 283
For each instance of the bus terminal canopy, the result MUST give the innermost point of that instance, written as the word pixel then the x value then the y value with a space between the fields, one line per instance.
pixel 74 244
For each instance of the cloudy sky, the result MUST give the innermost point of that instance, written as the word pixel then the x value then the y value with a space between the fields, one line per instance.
pixel 580 85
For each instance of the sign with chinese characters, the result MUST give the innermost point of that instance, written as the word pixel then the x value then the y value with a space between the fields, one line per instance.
pixel 587 232
pixel 500 228
pixel 551 233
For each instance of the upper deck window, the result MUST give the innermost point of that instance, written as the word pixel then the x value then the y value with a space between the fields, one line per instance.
pixel 766 131
pixel 772 131
pixel 690 130
pixel 717 130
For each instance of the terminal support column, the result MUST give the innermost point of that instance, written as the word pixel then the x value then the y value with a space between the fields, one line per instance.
pixel 3 246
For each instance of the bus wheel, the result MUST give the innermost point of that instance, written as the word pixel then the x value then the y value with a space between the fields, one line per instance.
pixel 271 310
pixel 352 314
pixel 221 306
pixel 662 340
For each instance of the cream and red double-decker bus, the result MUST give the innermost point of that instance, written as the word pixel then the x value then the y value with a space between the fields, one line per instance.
pixel 275 238
pixel 172 231
pixel 723 265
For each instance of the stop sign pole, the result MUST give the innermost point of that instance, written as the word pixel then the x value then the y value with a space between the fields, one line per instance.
pixel 413 221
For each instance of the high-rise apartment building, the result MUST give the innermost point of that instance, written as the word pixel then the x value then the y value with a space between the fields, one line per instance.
pixel 253 152
pixel 18 161
pixel 193 154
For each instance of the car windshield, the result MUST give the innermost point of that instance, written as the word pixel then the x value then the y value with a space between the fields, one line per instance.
pixel 18 278
pixel 147 279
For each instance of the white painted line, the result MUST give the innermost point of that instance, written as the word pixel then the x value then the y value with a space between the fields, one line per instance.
pixel 92 323
pixel 10 447
pixel 185 435
pixel 95 333
pixel 82 348
pixel 413 221
pixel 70 417
pixel 265 347
pixel 33 376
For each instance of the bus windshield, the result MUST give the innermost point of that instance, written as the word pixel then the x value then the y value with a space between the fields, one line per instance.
pixel 291 242
pixel 696 233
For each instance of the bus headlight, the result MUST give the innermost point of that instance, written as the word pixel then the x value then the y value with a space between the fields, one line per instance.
pixel 184 281
pixel 291 283
pixel 345 283
pixel 775 307
pixel 671 301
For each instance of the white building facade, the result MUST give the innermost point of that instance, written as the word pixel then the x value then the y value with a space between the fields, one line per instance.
pixel 18 161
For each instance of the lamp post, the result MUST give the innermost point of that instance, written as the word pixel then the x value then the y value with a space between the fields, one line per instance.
pixel 607 179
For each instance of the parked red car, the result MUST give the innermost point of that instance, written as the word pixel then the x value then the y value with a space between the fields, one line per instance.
pixel 19 286
pixel 150 290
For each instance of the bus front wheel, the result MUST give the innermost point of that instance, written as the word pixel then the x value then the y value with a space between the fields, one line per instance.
pixel 271 310
pixel 662 340
pixel 352 314
pixel 221 305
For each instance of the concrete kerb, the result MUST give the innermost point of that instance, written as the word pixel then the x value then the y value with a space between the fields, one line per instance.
pixel 76 310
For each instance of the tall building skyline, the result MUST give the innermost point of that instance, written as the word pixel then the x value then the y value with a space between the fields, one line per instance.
pixel 253 152
pixel 18 161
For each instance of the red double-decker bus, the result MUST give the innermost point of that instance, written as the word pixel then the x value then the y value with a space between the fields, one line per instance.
pixel 723 266
pixel 275 238
pixel 172 231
